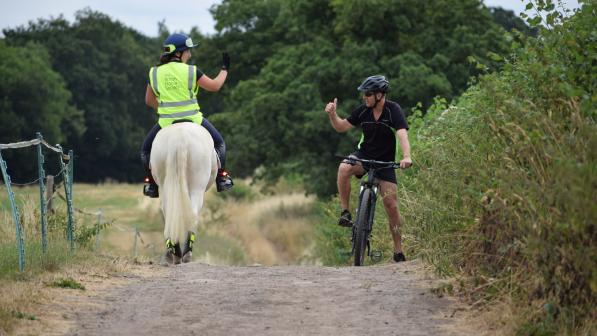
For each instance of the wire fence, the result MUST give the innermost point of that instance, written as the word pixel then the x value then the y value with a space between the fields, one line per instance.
pixel 66 162
pixel 47 195
pixel 139 244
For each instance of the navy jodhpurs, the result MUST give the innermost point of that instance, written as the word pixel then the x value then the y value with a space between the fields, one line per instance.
pixel 219 144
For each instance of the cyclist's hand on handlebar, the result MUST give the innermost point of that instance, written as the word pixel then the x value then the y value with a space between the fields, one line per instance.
pixel 331 107
pixel 405 163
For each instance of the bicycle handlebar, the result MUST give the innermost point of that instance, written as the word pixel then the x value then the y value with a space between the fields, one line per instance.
pixel 374 163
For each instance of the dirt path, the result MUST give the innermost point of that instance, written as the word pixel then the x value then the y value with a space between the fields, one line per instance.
pixel 200 299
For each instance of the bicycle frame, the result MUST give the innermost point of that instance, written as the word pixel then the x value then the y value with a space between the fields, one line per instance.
pixel 373 184
pixel 360 240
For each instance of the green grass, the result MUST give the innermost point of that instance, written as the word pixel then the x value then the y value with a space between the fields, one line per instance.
pixel 36 261
pixel 112 202
pixel 21 315
pixel 221 249
pixel 21 195
pixel 67 283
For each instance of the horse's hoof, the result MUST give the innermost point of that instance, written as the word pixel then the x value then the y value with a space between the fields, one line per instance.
pixel 187 257
pixel 170 258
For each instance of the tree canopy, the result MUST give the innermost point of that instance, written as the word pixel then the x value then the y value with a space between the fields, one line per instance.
pixel 316 51
pixel 289 58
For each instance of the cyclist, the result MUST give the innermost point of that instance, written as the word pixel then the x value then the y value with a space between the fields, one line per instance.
pixel 381 121
pixel 172 92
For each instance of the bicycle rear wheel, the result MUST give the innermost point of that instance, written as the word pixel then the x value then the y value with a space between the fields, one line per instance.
pixel 360 243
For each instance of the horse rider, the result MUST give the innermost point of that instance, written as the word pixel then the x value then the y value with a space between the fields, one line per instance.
pixel 172 92
pixel 381 121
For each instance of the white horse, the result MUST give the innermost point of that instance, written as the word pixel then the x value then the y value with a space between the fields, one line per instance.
pixel 184 165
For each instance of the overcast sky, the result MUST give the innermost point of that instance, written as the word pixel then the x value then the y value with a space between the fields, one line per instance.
pixel 144 15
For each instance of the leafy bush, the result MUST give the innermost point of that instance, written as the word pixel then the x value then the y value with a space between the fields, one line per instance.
pixel 506 181
pixel 504 184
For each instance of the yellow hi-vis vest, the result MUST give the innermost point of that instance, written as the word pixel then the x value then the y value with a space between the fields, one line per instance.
pixel 175 86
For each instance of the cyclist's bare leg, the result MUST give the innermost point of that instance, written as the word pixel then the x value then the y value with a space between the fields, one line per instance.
pixel 345 172
pixel 390 202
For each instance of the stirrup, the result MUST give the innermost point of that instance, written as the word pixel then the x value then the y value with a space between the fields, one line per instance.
pixel 223 181
pixel 150 189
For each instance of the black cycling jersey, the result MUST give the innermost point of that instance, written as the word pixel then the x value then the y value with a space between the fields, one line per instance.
pixel 379 136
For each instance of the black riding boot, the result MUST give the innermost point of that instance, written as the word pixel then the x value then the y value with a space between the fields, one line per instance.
pixel 150 188
pixel 223 179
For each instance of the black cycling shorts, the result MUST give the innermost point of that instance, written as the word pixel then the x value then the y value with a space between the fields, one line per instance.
pixel 386 174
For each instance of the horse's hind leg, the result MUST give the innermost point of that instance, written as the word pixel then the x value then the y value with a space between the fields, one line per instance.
pixel 188 254
pixel 197 198
pixel 173 254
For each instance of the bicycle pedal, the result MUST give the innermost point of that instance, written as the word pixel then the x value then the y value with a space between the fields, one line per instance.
pixel 376 256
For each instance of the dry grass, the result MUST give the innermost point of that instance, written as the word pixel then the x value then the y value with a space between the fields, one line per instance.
pixel 266 229
pixel 24 302
pixel 272 229
pixel 22 293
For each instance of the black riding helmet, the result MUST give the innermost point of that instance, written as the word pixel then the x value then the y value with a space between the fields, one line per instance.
pixel 375 83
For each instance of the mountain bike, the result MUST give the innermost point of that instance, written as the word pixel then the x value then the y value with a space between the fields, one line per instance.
pixel 361 230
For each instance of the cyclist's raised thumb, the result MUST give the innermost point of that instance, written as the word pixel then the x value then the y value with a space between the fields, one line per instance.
pixel 335 101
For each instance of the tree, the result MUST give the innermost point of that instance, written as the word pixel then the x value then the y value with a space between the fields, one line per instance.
pixel 34 98
pixel 509 20
pixel 105 67
pixel 289 59
pixel 273 118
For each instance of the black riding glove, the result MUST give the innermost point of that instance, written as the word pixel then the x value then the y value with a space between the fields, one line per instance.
pixel 225 61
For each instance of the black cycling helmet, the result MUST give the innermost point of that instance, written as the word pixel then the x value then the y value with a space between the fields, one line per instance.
pixel 375 83
pixel 177 42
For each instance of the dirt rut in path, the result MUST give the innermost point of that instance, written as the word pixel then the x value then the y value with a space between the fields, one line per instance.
pixel 200 299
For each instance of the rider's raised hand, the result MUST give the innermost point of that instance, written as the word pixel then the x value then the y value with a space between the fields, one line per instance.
pixel 331 107
pixel 225 61
pixel 406 162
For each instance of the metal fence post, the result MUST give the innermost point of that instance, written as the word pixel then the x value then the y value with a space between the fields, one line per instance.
pixel 42 191
pixel 70 230
pixel 15 214
pixel 71 170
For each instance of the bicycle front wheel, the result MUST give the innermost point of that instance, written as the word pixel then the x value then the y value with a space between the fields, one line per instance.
pixel 361 227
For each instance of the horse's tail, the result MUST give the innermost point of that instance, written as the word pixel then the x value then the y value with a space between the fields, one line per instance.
pixel 179 215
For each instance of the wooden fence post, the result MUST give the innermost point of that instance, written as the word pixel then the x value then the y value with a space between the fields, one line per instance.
pixel 50 192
